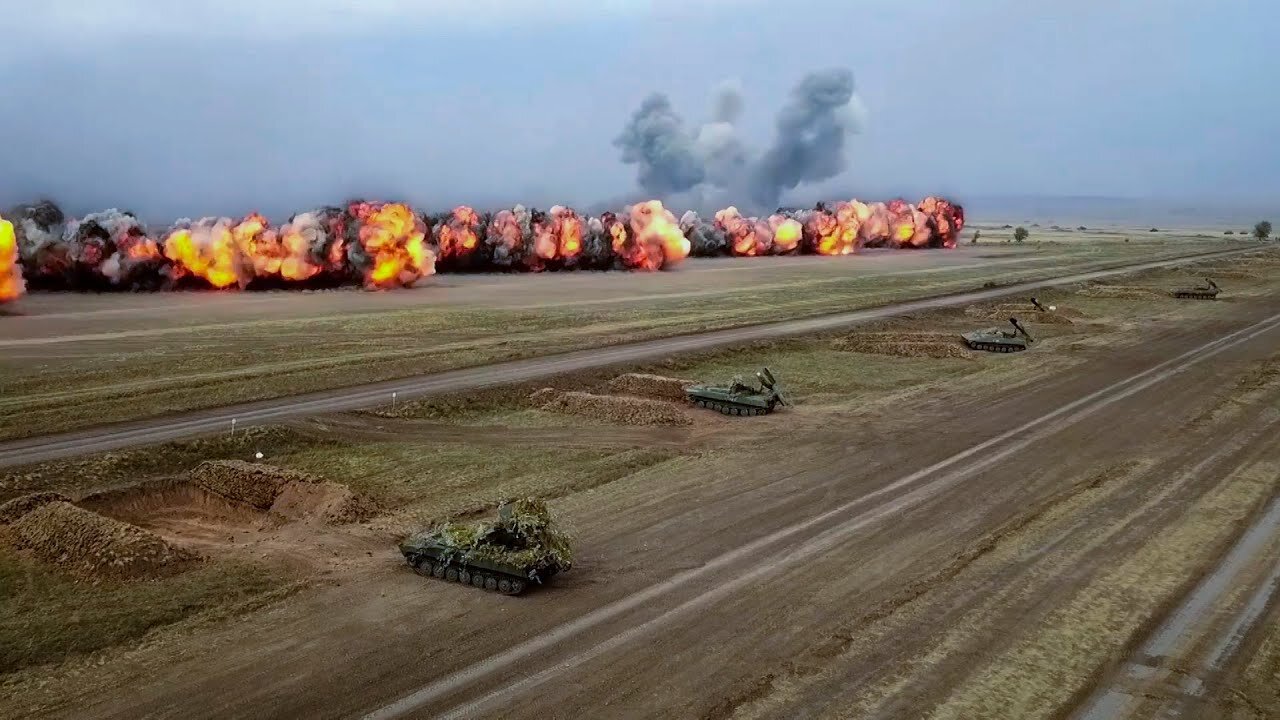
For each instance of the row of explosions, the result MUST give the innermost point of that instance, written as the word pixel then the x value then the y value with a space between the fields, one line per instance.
pixel 387 245
pixel 837 228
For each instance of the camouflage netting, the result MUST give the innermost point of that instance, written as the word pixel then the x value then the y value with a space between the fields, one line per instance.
pixel 523 536
pixel 19 506
pixel 255 484
pixel 650 386
pixel 92 545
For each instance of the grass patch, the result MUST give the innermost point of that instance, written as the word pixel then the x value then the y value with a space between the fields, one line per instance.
pixel 124 467
pixel 435 482
pixel 45 617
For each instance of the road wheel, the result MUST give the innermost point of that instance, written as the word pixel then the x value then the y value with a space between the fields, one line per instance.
pixel 504 586
pixel 424 567
pixel 517 587
pixel 451 575
pixel 438 571
pixel 464 577
pixel 478 580
pixel 490 584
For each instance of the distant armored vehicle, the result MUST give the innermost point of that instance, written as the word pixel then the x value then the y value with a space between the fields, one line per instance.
pixel 1042 308
pixel 503 556
pixel 997 340
pixel 738 398
pixel 1201 292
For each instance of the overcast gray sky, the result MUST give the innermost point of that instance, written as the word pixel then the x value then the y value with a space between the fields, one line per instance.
pixel 202 107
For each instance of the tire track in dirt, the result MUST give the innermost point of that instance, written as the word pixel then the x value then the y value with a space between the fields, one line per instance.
pixel 896 497
pixel 1157 680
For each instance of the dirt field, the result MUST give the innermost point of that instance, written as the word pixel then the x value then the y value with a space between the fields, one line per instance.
pixel 71 360
pixel 921 535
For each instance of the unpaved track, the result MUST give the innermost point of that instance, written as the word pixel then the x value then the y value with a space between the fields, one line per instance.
pixel 1173 673
pixel 747 579
pixel 39 449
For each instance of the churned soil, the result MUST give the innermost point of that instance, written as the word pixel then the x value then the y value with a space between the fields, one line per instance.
pixel 254 484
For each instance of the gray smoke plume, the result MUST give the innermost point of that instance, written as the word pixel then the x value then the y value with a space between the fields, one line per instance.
pixel 811 130
pixel 655 139
pixel 710 164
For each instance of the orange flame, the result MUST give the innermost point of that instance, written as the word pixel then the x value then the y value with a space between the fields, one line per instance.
pixel 395 240
pixel 11 283
pixel 205 250
pixel 786 233
pixel 655 240
pixel 568 231
pixel 505 234
pixel 296 239
pixel 459 236
pixel 835 232
pixel 741 233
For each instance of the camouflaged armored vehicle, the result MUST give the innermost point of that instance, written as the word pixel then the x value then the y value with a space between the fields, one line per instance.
pixel 1201 292
pixel 997 340
pixel 506 556
pixel 739 398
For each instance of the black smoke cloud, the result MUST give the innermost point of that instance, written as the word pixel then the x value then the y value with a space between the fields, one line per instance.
pixel 811 133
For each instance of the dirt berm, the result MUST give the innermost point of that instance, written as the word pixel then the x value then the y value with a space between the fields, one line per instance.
pixel 94 546
pixel 621 410
pixel 904 344
pixel 288 493
pixel 19 506
pixel 657 387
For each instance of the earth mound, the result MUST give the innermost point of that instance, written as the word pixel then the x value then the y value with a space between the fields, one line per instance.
pixel 254 484
pixel 19 506
pixel 900 344
pixel 657 387
pixel 622 410
pixel 94 546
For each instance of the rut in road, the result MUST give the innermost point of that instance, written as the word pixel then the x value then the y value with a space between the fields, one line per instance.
pixel 898 496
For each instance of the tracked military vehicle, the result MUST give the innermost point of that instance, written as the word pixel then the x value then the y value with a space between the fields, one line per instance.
pixel 1202 292
pixel 997 340
pixel 1041 307
pixel 521 548
pixel 739 398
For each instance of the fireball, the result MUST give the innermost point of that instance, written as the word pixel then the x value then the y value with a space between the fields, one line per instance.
pixel 394 240
pixel 11 284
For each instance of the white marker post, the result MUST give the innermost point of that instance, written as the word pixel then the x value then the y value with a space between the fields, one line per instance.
pixel 393 401
pixel 233 427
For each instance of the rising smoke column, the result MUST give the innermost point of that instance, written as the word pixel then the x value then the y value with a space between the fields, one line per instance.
pixel 11 284
pixel 655 139
pixel 39 230
pixel 810 136
pixel 808 146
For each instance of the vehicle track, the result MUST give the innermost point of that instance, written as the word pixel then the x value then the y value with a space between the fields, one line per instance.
pixel 798 542
pixel 39 449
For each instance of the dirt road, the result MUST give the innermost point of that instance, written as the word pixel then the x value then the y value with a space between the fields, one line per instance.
pixel 38 449
pixel 878 568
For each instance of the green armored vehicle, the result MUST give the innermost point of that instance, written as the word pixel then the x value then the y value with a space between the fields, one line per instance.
pixel 505 556
pixel 1202 292
pixel 738 398
pixel 997 340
